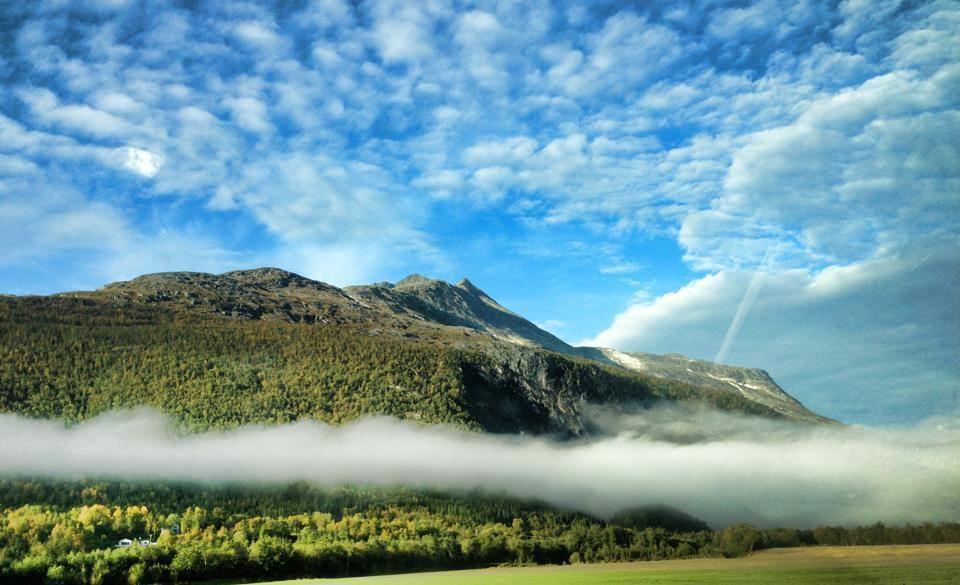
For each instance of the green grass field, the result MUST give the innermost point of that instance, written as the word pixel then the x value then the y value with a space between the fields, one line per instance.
pixel 883 565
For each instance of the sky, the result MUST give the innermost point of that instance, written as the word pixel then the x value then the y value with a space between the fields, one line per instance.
pixel 769 184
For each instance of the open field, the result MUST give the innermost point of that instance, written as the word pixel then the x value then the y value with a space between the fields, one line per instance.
pixel 881 565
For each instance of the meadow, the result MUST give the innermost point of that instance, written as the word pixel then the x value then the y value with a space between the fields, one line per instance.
pixel 880 565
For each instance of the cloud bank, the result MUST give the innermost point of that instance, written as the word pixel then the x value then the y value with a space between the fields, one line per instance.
pixel 716 466
pixel 873 342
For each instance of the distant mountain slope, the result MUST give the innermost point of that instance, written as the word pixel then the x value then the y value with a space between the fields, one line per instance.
pixel 461 305
pixel 263 294
pixel 270 345
pixel 753 384
pixel 275 294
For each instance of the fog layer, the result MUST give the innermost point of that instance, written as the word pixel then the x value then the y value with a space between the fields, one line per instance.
pixel 716 466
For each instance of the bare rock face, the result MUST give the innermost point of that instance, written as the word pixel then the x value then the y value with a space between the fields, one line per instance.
pixel 460 305
pixel 751 383
pixel 262 293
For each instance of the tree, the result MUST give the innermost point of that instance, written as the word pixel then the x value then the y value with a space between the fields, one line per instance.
pixel 738 540
pixel 271 554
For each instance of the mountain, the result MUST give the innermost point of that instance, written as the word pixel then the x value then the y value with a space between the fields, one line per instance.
pixel 752 383
pixel 460 305
pixel 278 295
pixel 267 345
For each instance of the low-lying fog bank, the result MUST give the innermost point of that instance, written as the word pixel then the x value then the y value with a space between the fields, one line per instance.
pixel 716 466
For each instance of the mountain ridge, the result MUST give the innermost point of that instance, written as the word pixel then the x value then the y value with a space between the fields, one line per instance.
pixel 511 382
pixel 465 305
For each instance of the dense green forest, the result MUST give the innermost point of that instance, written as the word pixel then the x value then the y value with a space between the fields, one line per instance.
pixel 73 359
pixel 69 532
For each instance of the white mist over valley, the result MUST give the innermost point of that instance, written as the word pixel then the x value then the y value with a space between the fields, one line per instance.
pixel 719 467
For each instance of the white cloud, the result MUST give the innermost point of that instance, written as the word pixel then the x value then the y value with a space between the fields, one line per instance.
pixel 108 5
pixel 42 218
pixel 483 40
pixel 442 183
pixel 117 103
pixel 866 342
pixel 862 21
pixel 552 324
pixel 825 66
pixel 493 180
pixel 402 31
pixel 334 220
pixel 325 14
pixel 250 114
pixel 180 95
pixel 37 220
pixel 628 50
pixel 339 264
pixel 142 162
pixel 932 43
pixel 259 34
pixel 478 28
pixel 12 165
pixel 79 119
pixel 732 23
pixel 402 41
pixel 516 149
pixel 184 248
pixel 621 268
pixel 223 199
pixel 564 148
pixel 854 170
pixel 626 53
pixel 202 149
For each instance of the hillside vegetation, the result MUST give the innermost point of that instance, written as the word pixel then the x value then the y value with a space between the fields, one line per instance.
pixel 69 531
pixel 74 358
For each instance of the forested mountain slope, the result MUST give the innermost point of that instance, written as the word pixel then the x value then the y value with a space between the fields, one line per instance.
pixel 267 345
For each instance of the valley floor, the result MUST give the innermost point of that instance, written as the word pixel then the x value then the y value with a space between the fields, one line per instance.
pixel 880 565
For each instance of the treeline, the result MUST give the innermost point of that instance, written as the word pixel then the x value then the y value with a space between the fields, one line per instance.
pixel 73 359
pixel 880 534
pixel 269 499
pixel 349 531
pixel 742 539
pixel 345 531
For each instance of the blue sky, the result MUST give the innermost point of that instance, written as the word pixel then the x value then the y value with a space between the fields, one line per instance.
pixel 621 173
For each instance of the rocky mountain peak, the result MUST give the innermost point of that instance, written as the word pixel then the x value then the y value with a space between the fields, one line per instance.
pixel 163 278
pixel 414 280
pixel 268 276
pixel 471 288
pixel 751 383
